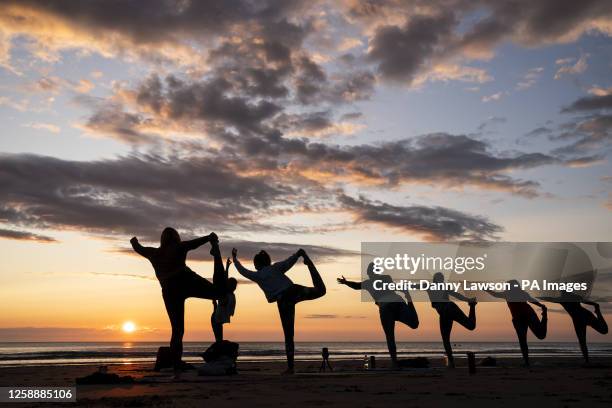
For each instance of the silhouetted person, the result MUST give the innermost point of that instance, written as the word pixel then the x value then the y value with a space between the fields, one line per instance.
pixel 224 308
pixel 325 362
pixel 279 288
pixel 523 315
pixel 449 312
pixel 581 317
pixel 178 282
pixel 391 307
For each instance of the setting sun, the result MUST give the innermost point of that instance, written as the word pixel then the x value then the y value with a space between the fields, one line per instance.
pixel 128 327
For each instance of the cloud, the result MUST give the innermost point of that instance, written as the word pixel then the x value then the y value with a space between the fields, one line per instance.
pixel 235 192
pixel 533 24
pixel 452 72
pixel 529 79
pixel 49 127
pixel 401 52
pixel 130 195
pixel 491 121
pixel 589 103
pixel 440 159
pixel 578 68
pixel 332 316
pixel 25 236
pixel 250 84
pixel 165 31
pixel 124 275
pixel 591 131
pixel 433 223
pixel 494 97
pixel 586 161
pixel 277 250
pixel 598 91
pixel 539 131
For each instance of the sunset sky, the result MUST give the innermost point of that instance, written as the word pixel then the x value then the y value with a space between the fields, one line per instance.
pixel 284 124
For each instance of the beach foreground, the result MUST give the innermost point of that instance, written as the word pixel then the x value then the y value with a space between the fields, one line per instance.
pixel 559 382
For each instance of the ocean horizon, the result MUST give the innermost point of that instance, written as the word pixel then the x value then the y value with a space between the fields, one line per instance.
pixel 81 353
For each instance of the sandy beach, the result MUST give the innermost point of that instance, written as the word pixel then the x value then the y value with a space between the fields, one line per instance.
pixel 558 382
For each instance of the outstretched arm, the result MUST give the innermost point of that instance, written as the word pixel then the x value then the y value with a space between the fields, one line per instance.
pixel 500 295
pixel 350 284
pixel 284 266
pixel 141 250
pixel 241 269
pixel 198 242
pixel 550 299
pixel 459 296
pixel 534 301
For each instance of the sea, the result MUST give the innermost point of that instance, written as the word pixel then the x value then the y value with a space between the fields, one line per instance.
pixel 79 353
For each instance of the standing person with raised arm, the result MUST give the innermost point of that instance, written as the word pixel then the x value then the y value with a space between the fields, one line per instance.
pixel 449 312
pixel 224 308
pixel 523 315
pixel 178 282
pixel 279 288
pixel 391 307
pixel 581 317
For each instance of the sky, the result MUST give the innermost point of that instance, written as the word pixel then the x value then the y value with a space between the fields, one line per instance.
pixel 280 125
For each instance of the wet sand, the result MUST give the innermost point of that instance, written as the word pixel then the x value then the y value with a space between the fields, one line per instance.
pixel 550 382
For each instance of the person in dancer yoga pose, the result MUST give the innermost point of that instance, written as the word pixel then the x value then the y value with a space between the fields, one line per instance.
pixel 524 318
pixel 391 307
pixel 279 288
pixel 449 313
pixel 178 282
pixel 581 317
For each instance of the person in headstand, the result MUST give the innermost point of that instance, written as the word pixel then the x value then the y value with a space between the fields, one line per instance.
pixel 581 317
pixel 523 316
pixel 224 308
pixel 449 312
pixel 178 282
pixel 391 307
pixel 279 288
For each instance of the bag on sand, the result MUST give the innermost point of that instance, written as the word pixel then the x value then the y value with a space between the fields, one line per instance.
pixel 221 349
pixel 220 359
pixel 164 358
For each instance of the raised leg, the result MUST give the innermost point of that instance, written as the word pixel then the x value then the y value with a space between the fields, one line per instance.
pixel 219 272
pixel 599 324
pixel 538 327
pixel 316 291
pixel 469 322
pixel 408 315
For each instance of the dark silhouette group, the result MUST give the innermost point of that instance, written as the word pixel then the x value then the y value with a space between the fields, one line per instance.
pixel 179 282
